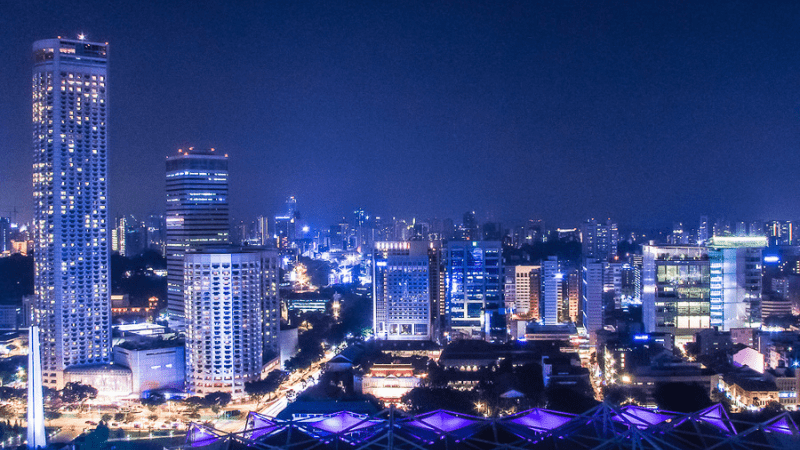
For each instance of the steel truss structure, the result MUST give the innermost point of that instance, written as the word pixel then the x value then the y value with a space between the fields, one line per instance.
pixel 604 427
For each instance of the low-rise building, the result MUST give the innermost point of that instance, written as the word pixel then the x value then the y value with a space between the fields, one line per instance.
pixel 390 382
pixel 749 389
pixel 154 363
pixel 110 380
pixel 788 383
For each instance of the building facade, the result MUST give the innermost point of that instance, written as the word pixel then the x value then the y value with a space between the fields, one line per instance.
pixel 70 189
pixel 735 281
pixel 522 288
pixel 226 297
pixel 552 290
pixel 197 214
pixel 474 289
pixel 676 292
pixel 598 239
pixel 403 306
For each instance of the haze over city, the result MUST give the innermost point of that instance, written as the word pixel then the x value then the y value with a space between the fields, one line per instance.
pixel 644 112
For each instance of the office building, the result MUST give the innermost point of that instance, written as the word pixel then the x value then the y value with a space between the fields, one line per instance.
pixel 735 281
pixel 552 290
pixel 676 292
pixel 197 214
pixel 70 190
pixel 592 292
pixel 402 291
pixel 262 230
pixel 573 296
pixel 599 240
pixel 781 232
pixel 226 297
pixel 475 306
pixel 522 291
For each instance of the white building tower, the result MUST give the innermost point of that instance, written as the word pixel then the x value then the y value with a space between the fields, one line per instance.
pixel 70 189
pixel 230 315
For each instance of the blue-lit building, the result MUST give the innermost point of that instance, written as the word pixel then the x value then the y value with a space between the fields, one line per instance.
pixel 736 281
pixel 474 290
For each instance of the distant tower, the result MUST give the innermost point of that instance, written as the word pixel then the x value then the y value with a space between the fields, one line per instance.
pixel 70 193
pixel 197 214
pixel 36 437
pixel 552 289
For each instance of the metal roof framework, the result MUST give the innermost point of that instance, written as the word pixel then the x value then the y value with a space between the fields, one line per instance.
pixel 604 427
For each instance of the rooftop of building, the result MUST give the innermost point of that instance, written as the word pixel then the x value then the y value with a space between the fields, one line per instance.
pixel 388 346
pixel 97 368
pixel 143 343
pixel 750 380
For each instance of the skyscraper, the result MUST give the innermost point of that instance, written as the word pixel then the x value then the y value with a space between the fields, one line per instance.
pixel 522 290
pixel 676 290
pixel 735 281
pixel 552 290
pixel 402 291
pixel 474 289
pixel 70 191
pixel 197 214
pixel 228 311
pixel 599 240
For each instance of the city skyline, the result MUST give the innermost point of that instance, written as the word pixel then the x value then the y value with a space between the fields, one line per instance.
pixel 639 113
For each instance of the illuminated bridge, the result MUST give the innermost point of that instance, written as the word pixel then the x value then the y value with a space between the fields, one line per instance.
pixel 603 427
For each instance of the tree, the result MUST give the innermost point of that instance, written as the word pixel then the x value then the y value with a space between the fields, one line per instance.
pixel 119 417
pixel 106 417
pixel 217 398
pixel 571 400
pixel 681 397
pixel 260 388
pixel 75 392
pixel 154 399
pixel 430 399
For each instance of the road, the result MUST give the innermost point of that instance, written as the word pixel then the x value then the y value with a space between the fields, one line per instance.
pixel 278 404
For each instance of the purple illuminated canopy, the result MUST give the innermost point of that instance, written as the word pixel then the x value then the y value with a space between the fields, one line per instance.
pixel 643 417
pixel 539 419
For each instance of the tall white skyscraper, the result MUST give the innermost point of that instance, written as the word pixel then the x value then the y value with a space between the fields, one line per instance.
pixel 197 214
pixel 70 190
pixel 228 309
pixel 552 290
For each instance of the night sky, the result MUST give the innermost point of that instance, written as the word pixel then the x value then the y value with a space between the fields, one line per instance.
pixel 644 111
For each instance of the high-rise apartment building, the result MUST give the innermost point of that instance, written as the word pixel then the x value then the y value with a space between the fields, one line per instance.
pixel 676 291
pixel 229 307
pixel 70 190
pixel 552 290
pixel 522 291
pixel 474 289
pixel 736 284
pixel 403 291
pixel 599 240
pixel 197 214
